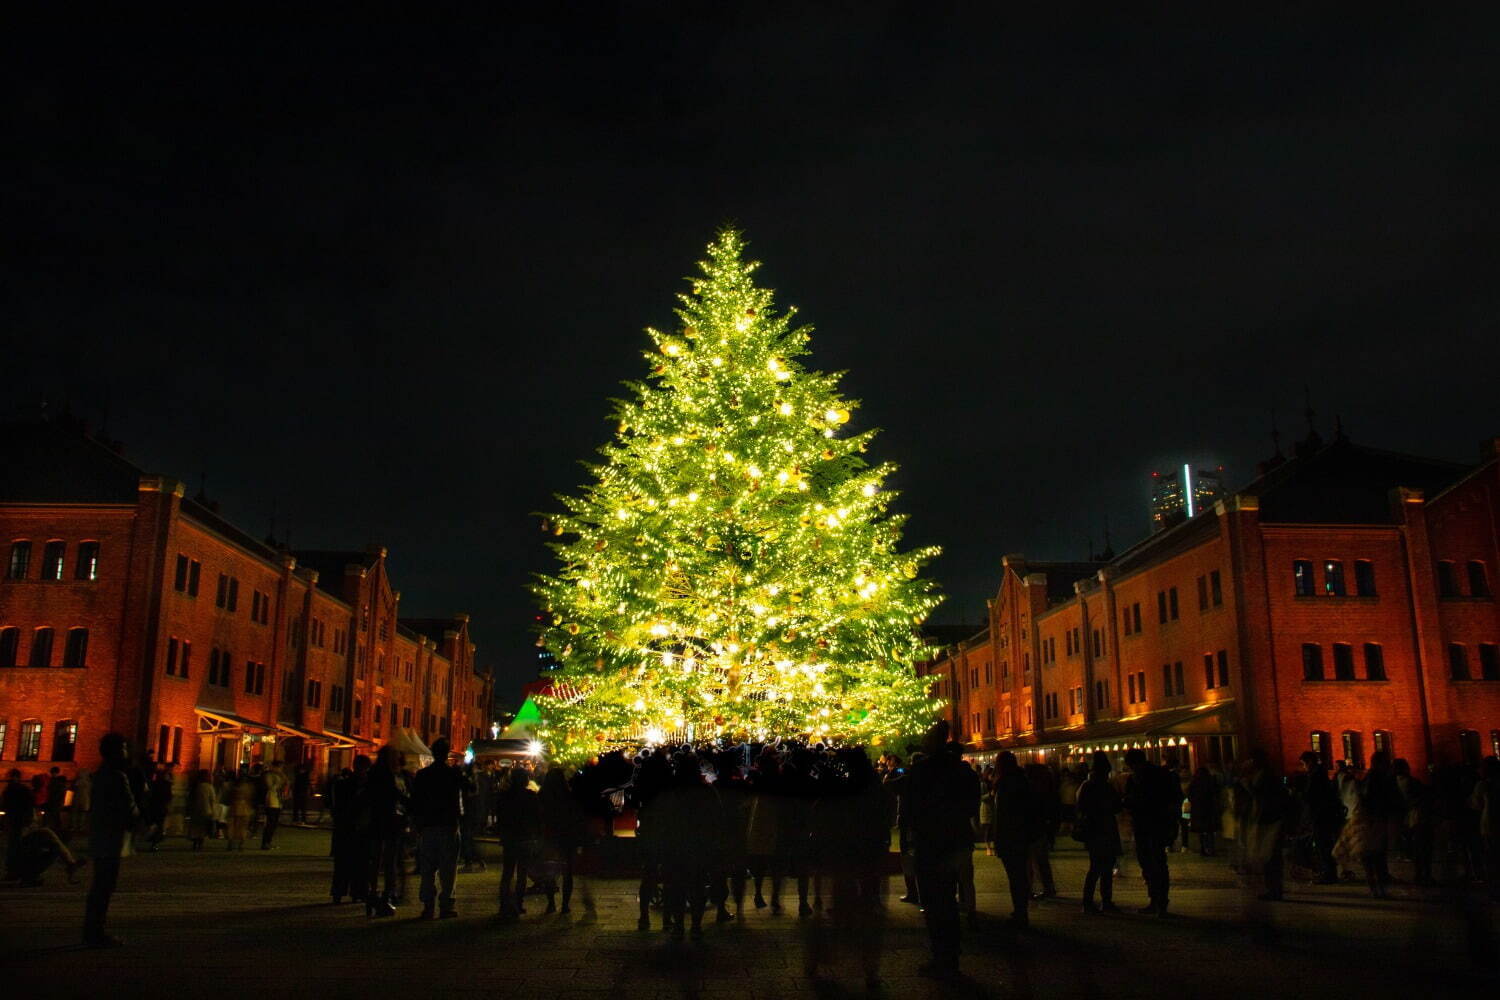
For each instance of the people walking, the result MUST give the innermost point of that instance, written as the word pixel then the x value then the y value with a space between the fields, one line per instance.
pixel 1203 811
pixel 383 808
pixel 520 818
pixel 202 809
pixel 437 808
pixel 1097 827
pixel 349 844
pixel 942 797
pixel 113 815
pixel 1017 826
pixel 241 810
pixel 562 834
pixel 1266 797
pixel 19 803
pixel 275 794
pixel 1153 797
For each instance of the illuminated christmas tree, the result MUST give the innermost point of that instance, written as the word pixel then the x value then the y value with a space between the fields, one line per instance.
pixel 732 570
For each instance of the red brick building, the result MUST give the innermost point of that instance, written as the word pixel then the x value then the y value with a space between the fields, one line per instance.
pixel 1342 602
pixel 126 606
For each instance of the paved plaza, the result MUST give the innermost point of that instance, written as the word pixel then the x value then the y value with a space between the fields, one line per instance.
pixel 259 923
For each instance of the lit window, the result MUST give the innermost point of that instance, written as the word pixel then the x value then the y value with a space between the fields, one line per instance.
pixel 64 740
pixel 53 557
pixel 1333 578
pixel 87 565
pixel 30 745
pixel 20 561
pixel 1302 578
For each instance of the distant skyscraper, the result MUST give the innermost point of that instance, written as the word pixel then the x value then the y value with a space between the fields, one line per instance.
pixel 1183 493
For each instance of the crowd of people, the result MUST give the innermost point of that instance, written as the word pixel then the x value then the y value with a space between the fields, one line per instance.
pixel 718 825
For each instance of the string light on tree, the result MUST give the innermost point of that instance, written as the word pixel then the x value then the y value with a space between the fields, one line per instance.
pixel 733 568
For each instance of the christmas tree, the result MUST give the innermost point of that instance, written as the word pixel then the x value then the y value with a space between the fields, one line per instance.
pixel 732 570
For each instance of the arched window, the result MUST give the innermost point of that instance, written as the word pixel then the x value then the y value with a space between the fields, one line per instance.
pixel 1354 751
pixel 41 648
pixel 52 560
pixel 87 565
pixel 76 652
pixel 10 645
pixel 1385 744
pixel 64 739
pixel 20 560
pixel 1322 745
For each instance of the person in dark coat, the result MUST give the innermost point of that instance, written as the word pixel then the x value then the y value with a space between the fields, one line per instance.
pixel 301 789
pixel 1016 827
pixel 19 804
pixel 690 837
pixel 1203 809
pixel 113 815
pixel 1153 795
pixel 1096 825
pixel 348 848
pixel 562 833
pixel 1049 818
pixel 520 820
pixel 436 808
pixel 943 796
pixel 382 820
pixel 1322 813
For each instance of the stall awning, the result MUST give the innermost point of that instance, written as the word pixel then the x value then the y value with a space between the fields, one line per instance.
pixel 1169 723
pixel 338 741
pixel 212 721
pixel 303 734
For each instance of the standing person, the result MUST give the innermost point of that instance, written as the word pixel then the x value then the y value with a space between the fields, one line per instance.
pixel 383 813
pixel 942 798
pixel 520 836
pixel 241 810
pixel 82 787
pixel 690 835
pixel 1049 818
pixel 1018 824
pixel 301 789
pixel 1484 801
pixel 19 804
pixel 897 784
pixel 1322 812
pixel 1203 810
pixel 161 804
pixel 202 809
pixel 437 807
pixel 112 815
pixel 562 831
pixel 764 827
pixel 349 849
pixel 1097 826
pixel 57 794
pixel 1265 793
pixel 275 793
pixel 1153 797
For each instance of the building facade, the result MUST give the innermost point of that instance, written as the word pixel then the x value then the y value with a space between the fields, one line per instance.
pixel 126 606
pixel 1343 602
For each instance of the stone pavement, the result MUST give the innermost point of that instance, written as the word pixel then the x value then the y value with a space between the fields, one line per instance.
pixel 259 923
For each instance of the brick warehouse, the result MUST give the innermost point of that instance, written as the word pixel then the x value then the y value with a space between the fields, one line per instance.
pixel 127 606
pixel 1342 602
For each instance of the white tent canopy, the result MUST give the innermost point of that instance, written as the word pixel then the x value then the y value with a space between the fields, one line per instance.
pixel 405 739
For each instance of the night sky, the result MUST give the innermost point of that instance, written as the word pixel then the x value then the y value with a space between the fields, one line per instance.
pixel 384 282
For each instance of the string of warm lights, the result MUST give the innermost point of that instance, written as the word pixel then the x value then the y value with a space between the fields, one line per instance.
pixel 733 570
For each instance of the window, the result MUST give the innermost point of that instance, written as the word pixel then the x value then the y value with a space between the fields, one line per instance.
pixel 179 580
pixel 1343 661
pixel 178 653
pixel 1172 602
pixel 218 667
pixel 1177 673
pixel 1353 750
pixel 1385 744
pixel 406 716
pixel 377 714
pixel 1130 689
pixel 1322 745
pixel 1374 662
pixel 53 558
pixel 1458 661
pixel 64 739
pixel 1312 661
pixel 1166 679
pixel 1208 670
pixel 195 572
pixel 187 656
pixel 4 732
pixel 1364 578
pixel 314 693
pixel 255 677
pixel 1223 668
pixel 221 595
pixel 1216 586
pixel 1333 578
pixel 1125 620
pixel 1446 581
pixel 1479 582
pixel 358 707
pixel 1202 593
pixel 41 648
pixel 163 743
pixel 1489 661
pixel 1161 607
pixel 172 656
pixel 176 757
pixel 1135 614
pixel 1302 577
pixel 86 566
pixel 30 745
pixel 234 594
pixel 76 652
pixel 1141 685
pixel 1098 643
pixel 10 646
pixel 20 561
